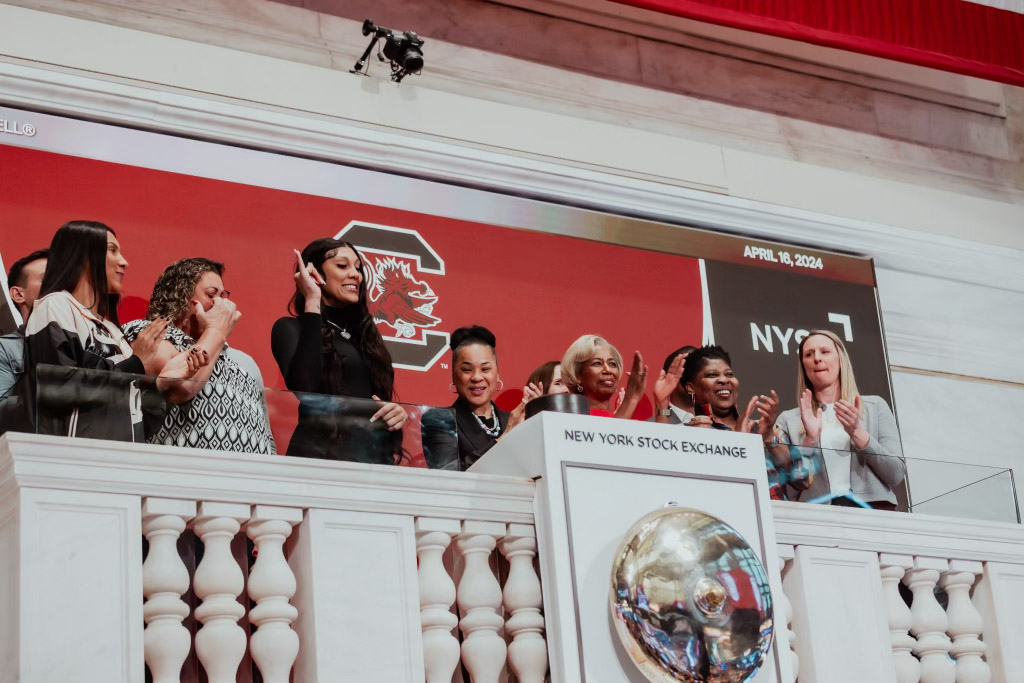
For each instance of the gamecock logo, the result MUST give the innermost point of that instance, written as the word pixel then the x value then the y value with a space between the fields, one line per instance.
pixel 397 262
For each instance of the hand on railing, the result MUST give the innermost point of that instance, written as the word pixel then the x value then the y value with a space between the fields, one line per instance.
pixel 391 414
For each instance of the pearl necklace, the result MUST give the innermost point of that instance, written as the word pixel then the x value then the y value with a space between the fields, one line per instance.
pixel 495 429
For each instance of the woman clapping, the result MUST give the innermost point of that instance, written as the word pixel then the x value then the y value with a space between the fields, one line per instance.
pixel 859 441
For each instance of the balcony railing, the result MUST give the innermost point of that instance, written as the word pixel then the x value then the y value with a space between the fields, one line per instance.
pixel 315 570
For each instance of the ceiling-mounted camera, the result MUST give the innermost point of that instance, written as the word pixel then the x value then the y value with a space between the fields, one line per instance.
pixel 404 50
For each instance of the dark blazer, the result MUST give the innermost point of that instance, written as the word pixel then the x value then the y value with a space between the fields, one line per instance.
pixel 473 441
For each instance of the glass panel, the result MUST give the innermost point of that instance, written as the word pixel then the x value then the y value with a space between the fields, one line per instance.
pixel 346 428
pixel 962 490
pixel 836 477
pixel 100 404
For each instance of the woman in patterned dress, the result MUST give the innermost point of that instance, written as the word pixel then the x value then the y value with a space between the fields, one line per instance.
pixel 227 412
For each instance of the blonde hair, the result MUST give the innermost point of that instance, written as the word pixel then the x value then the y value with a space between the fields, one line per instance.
pixel 582 350
pixel 847 384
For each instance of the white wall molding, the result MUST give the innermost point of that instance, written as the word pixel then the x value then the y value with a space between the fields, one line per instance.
pixel 176 113
pixel 270 29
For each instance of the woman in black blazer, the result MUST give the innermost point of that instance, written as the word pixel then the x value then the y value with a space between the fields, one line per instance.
pixel 479 423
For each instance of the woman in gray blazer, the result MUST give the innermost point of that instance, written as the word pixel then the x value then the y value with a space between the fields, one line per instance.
pixel 859 443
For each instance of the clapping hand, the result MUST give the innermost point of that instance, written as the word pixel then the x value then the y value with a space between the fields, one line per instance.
pixel 811 418
pixel 668 381
pixel 766 409
pixel 848 414
pixel 518 414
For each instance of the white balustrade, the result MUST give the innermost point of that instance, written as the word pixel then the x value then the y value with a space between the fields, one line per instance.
pixel 437 595
pixel 164 580
pixel 785 632
pixel 930 621
pixel 894 567
pixel 479 598
pixel 527 653
pixel 274 645
pixel 73 511
pixel 965 623
pixel 220 643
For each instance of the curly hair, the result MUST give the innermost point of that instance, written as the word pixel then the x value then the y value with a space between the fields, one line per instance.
pixel 176 286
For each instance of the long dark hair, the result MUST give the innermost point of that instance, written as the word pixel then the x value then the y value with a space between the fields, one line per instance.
pixel 366 336
pixel 77 247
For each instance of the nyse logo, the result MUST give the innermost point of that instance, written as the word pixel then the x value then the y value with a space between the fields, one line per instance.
pixel 764 337
pixel 398 266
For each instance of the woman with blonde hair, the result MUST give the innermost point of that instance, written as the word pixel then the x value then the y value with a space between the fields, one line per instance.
pixel 857 435
pixel 593 367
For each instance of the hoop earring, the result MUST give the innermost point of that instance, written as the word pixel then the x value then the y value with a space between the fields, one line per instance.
pixel 451 388
pixel 501 386
pixel 579 388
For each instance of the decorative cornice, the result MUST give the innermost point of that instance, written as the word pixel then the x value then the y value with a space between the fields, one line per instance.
pixel 336 140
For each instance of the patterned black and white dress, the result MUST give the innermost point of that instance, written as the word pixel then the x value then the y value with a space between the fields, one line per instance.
pixel 228 414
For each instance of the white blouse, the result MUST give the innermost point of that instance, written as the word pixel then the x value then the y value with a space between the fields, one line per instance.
pixel 835 444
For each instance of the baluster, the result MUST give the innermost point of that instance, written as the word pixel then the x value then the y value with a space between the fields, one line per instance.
pixel 527 653
pixel 437 593
pixel 929 621
pixel 479 597
pixel 274 645
pixel 908 669
pixel 220 643
pixel 164 580
pixel 786 554
pixel 965 624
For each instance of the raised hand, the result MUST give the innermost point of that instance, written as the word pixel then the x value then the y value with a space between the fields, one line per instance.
pixel 532 391
pixel 849 416
pixel 636 385
pixel 147 346
pixel 222 316
pixel 759 417
pixel 308 281
pixel 391 414
pixel 811 419
pixel 518 414
pixel 667 382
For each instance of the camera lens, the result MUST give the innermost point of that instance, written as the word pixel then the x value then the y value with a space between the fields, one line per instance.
pixel 412 60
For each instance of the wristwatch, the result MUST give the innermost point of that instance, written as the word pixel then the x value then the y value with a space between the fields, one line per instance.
pixel 664 412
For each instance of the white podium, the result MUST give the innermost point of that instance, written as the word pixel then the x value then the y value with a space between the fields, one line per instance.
pixel 597 476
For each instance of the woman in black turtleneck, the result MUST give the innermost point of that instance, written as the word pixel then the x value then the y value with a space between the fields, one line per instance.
pixel 330 345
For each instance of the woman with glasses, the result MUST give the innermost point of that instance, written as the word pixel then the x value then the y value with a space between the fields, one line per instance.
pixel 222 408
